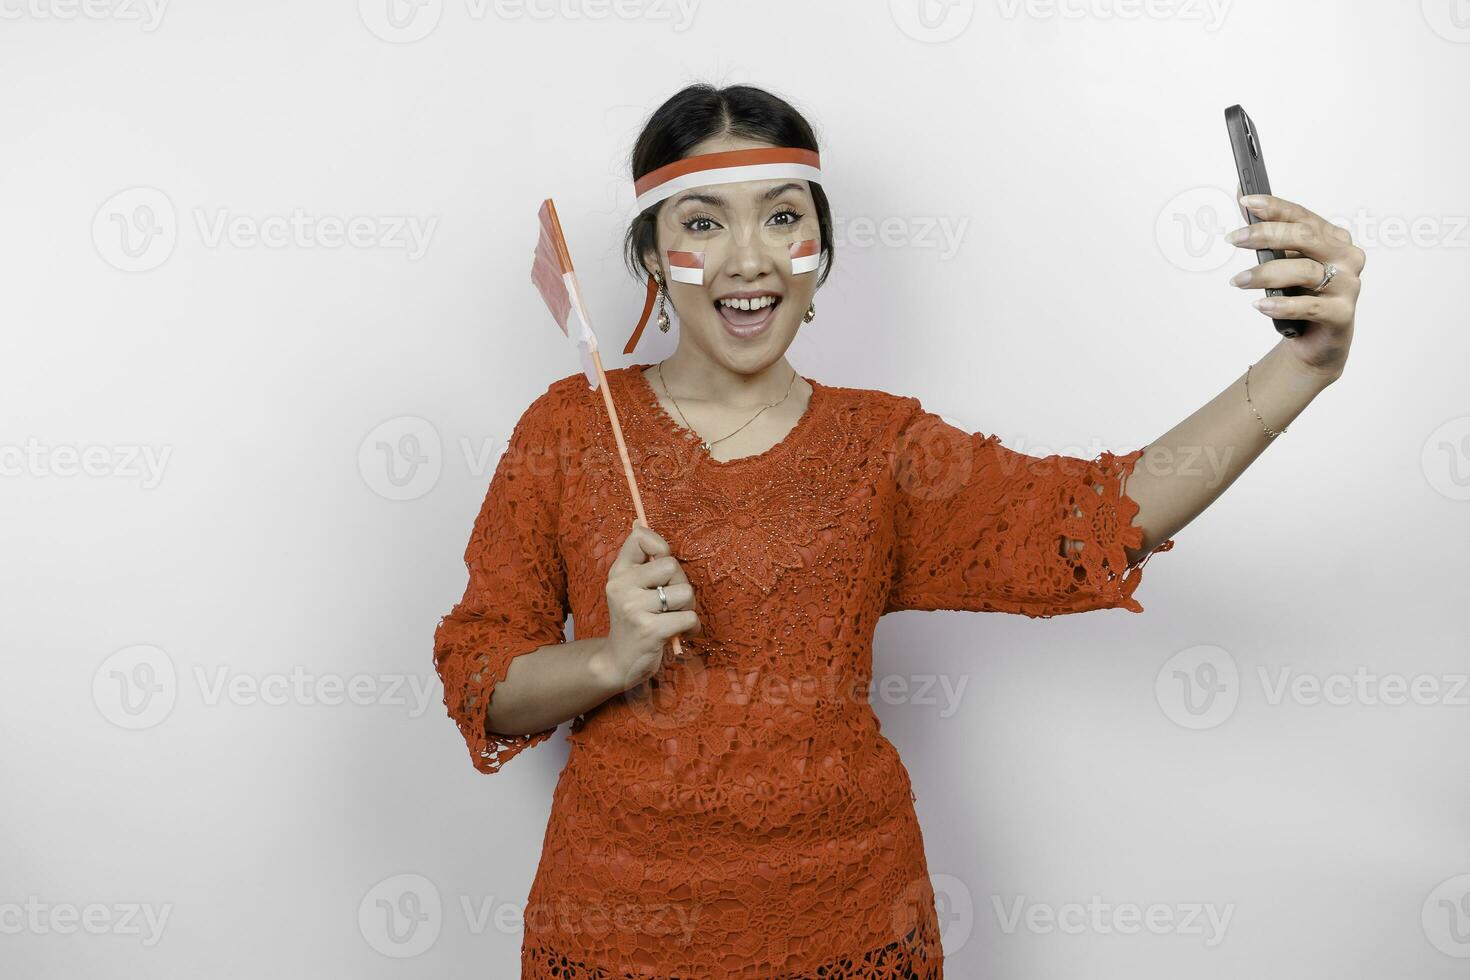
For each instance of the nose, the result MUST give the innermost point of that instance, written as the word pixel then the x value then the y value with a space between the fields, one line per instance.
pixel 750 254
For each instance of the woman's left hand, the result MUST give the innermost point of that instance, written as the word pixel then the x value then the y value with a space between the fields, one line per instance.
pixel 1311 244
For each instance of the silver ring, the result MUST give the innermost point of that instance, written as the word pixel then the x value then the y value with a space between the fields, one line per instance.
pixel 1328 274
pixel 663 599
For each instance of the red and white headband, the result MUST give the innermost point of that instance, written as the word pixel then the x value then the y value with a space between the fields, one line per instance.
pixel 724 167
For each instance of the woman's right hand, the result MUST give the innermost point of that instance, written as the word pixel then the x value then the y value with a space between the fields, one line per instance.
pixel 637 628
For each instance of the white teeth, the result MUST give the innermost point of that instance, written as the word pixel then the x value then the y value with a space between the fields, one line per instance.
pixel 759 303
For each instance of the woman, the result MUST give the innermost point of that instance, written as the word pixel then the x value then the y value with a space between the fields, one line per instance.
pixel 735 812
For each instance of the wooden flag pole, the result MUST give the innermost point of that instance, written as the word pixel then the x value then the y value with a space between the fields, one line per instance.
pixel 564 256
pixel 617 430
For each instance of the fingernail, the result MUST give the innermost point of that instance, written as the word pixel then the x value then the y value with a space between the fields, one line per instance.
pixel 1241 278
pixel 1237 236
pixel 1254 201
pixel 1266 305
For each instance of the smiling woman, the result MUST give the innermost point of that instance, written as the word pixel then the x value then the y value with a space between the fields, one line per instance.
pixel 737 813
pixel 732 178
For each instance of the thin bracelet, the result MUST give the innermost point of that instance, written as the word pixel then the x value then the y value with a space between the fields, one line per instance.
pixel 1265 428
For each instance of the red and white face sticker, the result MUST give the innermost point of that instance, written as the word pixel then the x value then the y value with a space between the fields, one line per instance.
pixel 686 267
pixel 804 256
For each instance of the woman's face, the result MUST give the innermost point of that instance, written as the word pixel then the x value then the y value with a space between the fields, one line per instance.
pixel 744 232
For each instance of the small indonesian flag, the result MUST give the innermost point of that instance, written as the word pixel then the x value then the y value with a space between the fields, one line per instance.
pixel 686 267
pixel 551 271
pixel 804 256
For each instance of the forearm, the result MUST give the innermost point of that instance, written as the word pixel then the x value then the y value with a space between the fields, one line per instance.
pixel 549 685
pixel 1190 466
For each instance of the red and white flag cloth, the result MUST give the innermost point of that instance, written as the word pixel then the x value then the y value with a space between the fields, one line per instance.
pixel 686 266
pixel 804 256
pixel 551 271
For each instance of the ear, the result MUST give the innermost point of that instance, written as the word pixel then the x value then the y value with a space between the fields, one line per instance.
pixel 651 261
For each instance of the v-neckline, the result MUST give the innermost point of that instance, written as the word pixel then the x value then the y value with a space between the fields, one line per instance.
pixel 656 410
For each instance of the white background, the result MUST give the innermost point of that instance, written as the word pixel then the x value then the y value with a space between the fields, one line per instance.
pixel 1077 156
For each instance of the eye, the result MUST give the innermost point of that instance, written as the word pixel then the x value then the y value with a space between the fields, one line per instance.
pixel 794 215
pixel 690 222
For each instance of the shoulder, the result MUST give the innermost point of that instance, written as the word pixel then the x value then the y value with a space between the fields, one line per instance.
pixel 553 409
pixel 881 412
pixel 871 401
pixel 901 427
pixel 570 389
pixel 543 437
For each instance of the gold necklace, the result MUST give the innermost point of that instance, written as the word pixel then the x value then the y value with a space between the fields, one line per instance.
pixel 708 444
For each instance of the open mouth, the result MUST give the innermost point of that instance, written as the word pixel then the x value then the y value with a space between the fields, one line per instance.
pixel 745 315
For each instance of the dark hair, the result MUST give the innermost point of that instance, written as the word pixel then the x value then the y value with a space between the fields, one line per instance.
pixel 700 112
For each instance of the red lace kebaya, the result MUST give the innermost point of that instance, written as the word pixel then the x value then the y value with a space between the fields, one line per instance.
pixel 741 815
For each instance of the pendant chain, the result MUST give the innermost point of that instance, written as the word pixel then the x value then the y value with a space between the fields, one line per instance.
pixel 708 444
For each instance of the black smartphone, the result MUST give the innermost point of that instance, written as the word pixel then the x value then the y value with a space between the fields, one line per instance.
pixel 1250 167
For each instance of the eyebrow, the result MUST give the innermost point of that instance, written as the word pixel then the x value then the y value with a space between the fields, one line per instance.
pixel 715 200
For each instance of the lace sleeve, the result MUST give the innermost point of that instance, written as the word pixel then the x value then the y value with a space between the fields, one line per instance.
pixel 516 598
pixel 980 527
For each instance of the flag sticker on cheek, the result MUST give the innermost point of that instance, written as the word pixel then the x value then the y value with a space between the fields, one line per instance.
pixel 804 256
pixel 686 267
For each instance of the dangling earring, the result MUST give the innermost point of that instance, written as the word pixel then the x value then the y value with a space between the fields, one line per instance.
pixel 663 314
pixel 810 314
